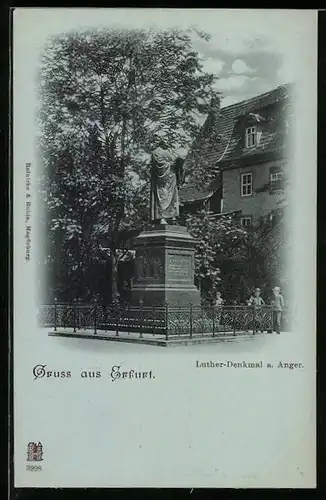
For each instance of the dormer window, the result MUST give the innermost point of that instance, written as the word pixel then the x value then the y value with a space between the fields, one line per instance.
pixel 251 137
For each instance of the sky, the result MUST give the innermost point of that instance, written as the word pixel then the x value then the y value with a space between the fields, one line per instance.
pixel 245 66
pixel 251 51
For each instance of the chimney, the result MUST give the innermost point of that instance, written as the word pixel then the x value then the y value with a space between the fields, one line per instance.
pixel 214 109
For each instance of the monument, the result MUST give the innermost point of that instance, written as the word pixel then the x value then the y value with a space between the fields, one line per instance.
pixel 165 254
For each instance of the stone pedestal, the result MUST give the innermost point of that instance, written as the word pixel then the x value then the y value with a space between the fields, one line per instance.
pixel 165 268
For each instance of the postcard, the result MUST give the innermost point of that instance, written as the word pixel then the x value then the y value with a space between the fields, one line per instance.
pixel 164 213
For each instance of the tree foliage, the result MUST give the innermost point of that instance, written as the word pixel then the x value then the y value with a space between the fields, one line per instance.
pixel 231 259
pixel 220 241
pixel 103 96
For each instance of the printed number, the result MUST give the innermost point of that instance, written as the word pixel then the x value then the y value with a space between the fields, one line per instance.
pixel 34 468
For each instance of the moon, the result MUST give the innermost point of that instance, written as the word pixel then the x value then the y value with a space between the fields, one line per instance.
pixel 239 66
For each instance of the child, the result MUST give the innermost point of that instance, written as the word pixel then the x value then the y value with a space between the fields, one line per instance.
pixel 277 303
pixel 256 301
pixel 219 302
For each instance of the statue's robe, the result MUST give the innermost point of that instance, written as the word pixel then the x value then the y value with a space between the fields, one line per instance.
pixel 164 189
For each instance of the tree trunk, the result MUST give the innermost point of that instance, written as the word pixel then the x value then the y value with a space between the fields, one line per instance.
pixel 114 289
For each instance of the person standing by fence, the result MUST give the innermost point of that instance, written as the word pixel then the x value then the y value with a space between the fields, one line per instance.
pixel 277 304
pixel 219 302
pixel 256 301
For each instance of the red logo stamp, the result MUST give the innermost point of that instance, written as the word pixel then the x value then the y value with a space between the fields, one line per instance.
pixel 34 452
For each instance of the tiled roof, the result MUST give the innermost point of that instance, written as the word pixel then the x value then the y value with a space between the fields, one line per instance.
pixel 191 192
pixel 219 143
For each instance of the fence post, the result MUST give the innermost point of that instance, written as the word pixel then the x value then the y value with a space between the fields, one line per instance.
pixel 141 318
pixel 234 311
pixel 65 315
pixel 254 320
pixel 271 320
pixel 55 314
pixel 95 316
pixel 154 319
pixel 166 320
pixel 105 317
pixel 178 315
pixel 75 313
pixel 117 313
pixel 79 315
pixel 213 321
pixel 202 319
pixel 129 318
pixel 190 317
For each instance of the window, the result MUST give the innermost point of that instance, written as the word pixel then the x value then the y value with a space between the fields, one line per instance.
pixel 207 205
pixel 277 176
pixel 251 137
pixel 246 221
pixel 274 219
pixel 246 184
pixel 276 179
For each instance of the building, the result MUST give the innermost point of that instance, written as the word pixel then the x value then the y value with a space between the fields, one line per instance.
pixel 243 150
pixel 240 164
pixel 194 197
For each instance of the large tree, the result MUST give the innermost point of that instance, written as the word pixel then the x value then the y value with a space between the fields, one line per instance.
pixel 103 96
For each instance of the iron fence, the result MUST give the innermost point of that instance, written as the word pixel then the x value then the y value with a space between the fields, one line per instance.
pixel 165 321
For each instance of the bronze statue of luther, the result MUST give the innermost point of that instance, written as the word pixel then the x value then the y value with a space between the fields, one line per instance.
pixel 166 176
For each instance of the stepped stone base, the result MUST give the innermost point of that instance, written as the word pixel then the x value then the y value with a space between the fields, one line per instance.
pixel 176 297
pixel 165 268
